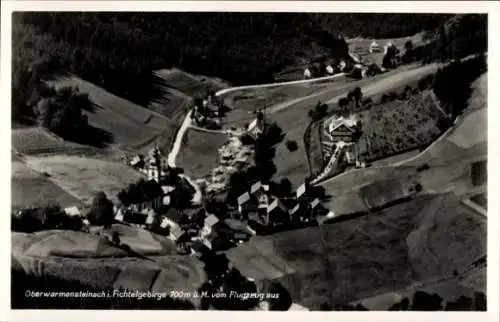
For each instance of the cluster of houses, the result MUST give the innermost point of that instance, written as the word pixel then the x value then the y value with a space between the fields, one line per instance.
pixel 186 230
pixel 376 48
pixel 158 215
pixel 207 111
pixel 320 70
pixel 260 206
pixel 355 67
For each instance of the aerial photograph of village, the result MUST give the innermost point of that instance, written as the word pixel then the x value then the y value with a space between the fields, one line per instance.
pixel 249 161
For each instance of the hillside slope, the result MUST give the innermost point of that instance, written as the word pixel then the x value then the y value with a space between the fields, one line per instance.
pixel 132 127
pixel 360 258
pixel 97 265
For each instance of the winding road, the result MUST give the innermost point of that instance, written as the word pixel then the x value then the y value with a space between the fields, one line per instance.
pixel 377 85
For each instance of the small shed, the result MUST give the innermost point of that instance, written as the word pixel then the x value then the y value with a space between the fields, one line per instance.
pixel 72 211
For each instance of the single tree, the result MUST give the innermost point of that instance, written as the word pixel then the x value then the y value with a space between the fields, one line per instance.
pixel 343 102
pixel 441 51
pixel 101 211
pixel 291 145
pixel 408 45
pixel 115 238
pixel 357 95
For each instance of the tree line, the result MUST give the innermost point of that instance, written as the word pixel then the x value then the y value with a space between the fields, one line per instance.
pixel 460 37
pixel 119 50
pixel 452 83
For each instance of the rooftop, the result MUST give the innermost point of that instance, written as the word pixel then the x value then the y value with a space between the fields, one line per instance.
pixel 72 211
pixel 211 220
pixel 243 198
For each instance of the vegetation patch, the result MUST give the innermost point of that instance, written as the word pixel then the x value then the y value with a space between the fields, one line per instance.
pixel 84 177
pixel 399 126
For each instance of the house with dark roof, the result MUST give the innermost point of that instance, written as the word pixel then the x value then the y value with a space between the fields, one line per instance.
pixel 208 224
pixel 132 217
pixel 174 220
pixel 141 196
pixel 340 131
pixel 209 239
pixel 320 212
pixel 244 204
pixel 257 127
pixel 277 213
pixel 260 194
pixel 72 211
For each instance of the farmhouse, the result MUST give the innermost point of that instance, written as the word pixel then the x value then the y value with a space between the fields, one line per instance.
pixel 260 192
pixel 72 211
pixel 340 129
pixel 307 73
pixel 359 71
pixel 276 213
pixel 374 48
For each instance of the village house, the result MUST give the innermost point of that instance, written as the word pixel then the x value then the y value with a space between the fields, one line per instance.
pixel 260 193
pixel 319 212
pixel 153 203
pixel 72 211
pixel 340 129
pixel 209 239
pixel 307 73
pixel 175 221
pixel 208 225
pixel 330 70
pixel 359 71
pixel 244 204
pixel 276 214
pixel 387 46
pixel 374 48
